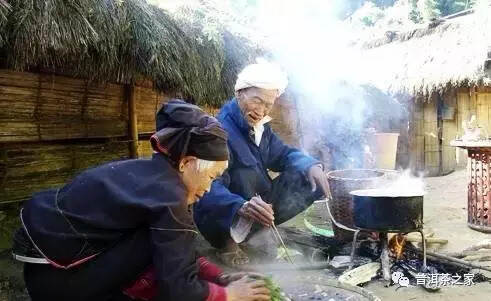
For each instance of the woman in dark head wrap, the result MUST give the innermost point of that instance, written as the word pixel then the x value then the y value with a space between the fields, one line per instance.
pixel 124 228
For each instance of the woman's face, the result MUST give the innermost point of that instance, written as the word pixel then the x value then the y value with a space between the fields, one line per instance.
pixel 198 182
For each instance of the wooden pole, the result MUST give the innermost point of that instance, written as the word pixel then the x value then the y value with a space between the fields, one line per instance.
pixel 412 145
pixel 133 121
pixel 456 261
pixel 439 114
pixel 428 240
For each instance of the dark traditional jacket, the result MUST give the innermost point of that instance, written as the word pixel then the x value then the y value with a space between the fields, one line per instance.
pixel 103 204
pixel 247 173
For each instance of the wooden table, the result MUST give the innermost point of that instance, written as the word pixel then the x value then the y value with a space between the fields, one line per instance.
pixel 478 188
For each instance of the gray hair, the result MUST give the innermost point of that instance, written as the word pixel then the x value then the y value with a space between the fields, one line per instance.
pixel 205 164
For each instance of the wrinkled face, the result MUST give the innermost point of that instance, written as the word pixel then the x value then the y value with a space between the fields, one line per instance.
pixel 198 180
pixel 256 103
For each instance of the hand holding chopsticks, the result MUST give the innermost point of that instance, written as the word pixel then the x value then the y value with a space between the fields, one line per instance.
pixel 258 210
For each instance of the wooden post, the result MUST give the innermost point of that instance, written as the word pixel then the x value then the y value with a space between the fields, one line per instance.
pixel 412 145
pixel 439 115
pixel 132 121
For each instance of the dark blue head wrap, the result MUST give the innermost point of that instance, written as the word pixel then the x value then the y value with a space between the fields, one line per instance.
pixel 185 129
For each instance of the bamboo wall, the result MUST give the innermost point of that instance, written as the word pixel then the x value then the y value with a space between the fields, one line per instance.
pixel 36 107
pixel 431 143
pixel 30 167
pixel 449 132
pixel 466 107
pixel 425 150
pixel 472 102
pixel 52 127
pixel 418 135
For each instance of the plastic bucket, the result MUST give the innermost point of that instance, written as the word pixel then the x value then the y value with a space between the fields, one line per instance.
pixel 383 147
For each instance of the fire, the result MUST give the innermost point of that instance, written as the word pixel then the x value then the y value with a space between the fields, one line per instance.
pixel 396 245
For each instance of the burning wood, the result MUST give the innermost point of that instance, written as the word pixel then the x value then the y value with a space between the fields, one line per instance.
pixel 396 245
pixel 384 257
pixel 398 256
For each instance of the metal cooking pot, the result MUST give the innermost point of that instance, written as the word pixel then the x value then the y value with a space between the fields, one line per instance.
pixel 376 210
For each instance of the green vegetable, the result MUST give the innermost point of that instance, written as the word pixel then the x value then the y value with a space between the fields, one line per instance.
pixel 275 290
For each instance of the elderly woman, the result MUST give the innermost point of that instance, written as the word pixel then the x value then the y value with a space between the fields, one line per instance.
pixel 98 235
pixel 245 193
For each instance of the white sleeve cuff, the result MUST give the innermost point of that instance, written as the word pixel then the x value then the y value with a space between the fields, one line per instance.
pixel 240 228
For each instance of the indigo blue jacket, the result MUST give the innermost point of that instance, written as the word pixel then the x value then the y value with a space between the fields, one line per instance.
pixel 247 173
pixel 105 204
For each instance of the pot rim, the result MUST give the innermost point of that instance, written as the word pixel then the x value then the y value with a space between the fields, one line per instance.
pixel 382 193
pixel 333 174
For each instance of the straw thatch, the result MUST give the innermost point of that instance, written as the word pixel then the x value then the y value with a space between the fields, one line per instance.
pixel 122 42
pixel 4 10
pixel 215 43
pixel 452 53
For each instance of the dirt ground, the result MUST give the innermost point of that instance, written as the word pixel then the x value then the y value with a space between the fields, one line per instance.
pixel 445 214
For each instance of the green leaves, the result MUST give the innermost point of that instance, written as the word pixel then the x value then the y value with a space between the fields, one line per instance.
pixel 274 289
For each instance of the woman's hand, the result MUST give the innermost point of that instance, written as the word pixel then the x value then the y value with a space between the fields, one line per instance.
pixel 247 289
pixel 226 278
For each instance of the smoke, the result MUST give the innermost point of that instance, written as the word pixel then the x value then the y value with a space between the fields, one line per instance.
pixel 312 45
pixel 326 75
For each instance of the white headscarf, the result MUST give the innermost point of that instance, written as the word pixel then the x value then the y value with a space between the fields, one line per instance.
pixel 262 75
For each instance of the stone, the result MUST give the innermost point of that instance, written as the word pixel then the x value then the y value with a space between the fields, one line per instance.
pixel 340 261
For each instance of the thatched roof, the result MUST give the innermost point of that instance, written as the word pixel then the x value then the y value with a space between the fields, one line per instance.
pixel 122 41
pixel 431 59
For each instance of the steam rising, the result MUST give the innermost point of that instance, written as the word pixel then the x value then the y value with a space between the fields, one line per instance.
pixel 397 185
pixel 407 184
pixel 327 76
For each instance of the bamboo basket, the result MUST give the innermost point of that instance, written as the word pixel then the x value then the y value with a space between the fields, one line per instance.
pixel 341 183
